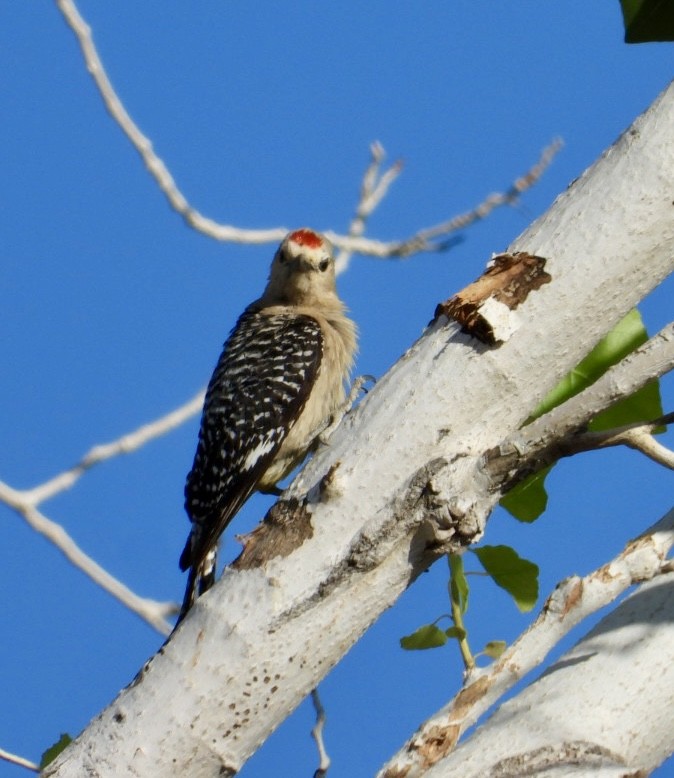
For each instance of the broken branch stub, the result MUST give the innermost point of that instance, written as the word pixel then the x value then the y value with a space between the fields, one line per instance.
pixel 485 308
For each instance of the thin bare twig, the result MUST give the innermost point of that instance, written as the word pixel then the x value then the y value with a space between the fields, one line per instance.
pixel 373 189
pixel 25 504
pixel 424 240
pixel 438 237
pixel 642 440
pixel 151 611
pixel 19 760
pixel 638 436
pixel 496 200
pixel 317 734
pixel 124 445
pixel 573 600
pixel 143 145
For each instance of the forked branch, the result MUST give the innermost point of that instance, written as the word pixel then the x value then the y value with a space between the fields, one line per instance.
pixel 25 503
pixel 428 239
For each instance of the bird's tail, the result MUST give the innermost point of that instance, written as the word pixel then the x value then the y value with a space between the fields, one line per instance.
pixel 200 579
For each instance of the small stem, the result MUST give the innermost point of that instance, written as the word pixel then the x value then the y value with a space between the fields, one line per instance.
pixel 317 734
pixel 459 605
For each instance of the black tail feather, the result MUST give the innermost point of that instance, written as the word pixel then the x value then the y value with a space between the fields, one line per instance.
pixel 200 579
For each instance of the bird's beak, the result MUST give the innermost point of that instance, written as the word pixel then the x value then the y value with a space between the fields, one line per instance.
pixel 303 263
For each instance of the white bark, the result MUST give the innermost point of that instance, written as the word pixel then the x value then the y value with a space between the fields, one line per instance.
pixel 604 708
pixel 572 601
pixel 410 457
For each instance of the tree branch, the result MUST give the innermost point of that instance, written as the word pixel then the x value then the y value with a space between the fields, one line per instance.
pixel 124 445
pixel 151 611
pixel 572 601
pixel 546 439
pixel 638 436
pixel 143 145
pixel 492 201
pixel 424 240
pixel 372 191
pixel 317 734
pixel 19 760
pixel 25 504
pixel 602 708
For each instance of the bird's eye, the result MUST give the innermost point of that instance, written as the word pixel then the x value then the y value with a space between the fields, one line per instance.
pixel 282 257
pixel 323 265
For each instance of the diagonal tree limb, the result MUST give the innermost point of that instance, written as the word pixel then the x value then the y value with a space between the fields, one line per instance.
pixel 539 444
pixel 573 600
pixel 404 467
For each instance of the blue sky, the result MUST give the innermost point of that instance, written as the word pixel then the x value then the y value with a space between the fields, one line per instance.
pixel 114 311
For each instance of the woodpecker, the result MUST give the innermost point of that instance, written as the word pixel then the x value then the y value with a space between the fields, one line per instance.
pixel 279 379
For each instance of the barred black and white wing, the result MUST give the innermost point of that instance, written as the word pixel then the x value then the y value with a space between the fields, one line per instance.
pixel 260 385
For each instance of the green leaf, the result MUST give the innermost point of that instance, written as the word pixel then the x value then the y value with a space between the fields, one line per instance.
pixel 527 501
pixel 428 636
pixel 648 20
pixel 459 584
pixel 495 648
pixel 643 405
pixel 53 751
pixel 626 336
pixel 519 577
pixel 456 632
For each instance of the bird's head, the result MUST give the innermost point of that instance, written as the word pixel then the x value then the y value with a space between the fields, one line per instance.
pixel 303 270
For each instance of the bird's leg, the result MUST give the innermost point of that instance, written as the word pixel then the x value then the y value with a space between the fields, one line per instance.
pixel 335 419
